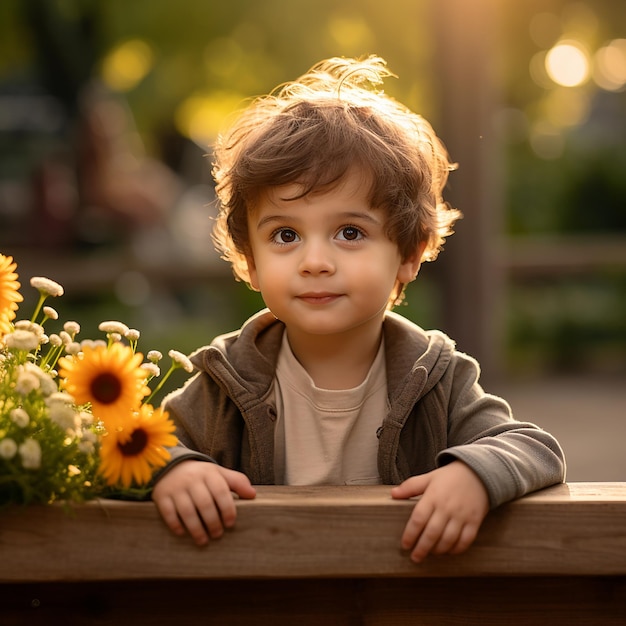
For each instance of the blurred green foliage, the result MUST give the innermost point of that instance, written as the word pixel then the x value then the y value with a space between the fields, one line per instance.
pixel 177 63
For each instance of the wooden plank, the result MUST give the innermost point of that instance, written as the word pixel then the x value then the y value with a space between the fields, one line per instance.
pixel 576 529
pixel 99 271
pixel 554 256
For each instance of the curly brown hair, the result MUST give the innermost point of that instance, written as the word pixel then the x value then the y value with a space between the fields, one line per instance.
pixel 312 131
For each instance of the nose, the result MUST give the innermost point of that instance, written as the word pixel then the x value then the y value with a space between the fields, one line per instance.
pixel 316 258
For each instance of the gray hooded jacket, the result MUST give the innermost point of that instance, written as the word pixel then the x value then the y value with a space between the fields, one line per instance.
pixel 437 412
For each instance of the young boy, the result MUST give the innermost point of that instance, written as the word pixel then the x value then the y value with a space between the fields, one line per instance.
pixel 330 198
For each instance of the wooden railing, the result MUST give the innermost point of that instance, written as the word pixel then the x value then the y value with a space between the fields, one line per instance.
pixel 325 555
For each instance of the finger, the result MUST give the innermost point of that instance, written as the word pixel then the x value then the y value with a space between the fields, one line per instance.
pixel 414 486
pixel 449 537
pixel 239 483
pixel 416 524
pixel 196 522
pixel 466 538
pixel 428 538
pixel 222 501
pixel 167 510
pixel 203 497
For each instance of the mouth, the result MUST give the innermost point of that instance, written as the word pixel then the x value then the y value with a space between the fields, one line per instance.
pixel 319 297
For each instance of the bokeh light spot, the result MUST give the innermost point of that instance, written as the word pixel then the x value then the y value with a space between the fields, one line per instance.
pixel 609 71
pixel 567 64
pixel 127 64
pixel 201 116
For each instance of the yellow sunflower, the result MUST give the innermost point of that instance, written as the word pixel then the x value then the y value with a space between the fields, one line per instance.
pixel 132 452
pixel 110 378
pixel 9 293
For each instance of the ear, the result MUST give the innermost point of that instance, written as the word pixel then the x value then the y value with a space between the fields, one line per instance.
pixel 252 273
pixel 407 272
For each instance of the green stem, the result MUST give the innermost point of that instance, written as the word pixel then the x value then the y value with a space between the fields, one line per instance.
pixel 51 357
pixel 42 299
pixel 173 366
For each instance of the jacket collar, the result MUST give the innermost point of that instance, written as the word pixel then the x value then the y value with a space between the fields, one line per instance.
pixel 251 353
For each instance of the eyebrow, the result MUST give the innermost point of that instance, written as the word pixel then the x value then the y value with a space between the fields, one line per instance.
pixel 347 215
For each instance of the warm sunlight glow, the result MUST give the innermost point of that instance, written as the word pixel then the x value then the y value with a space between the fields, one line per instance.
pixel 127 64
pixel 566 107
pixel 537 70
pixel 352 31
pixel 567 64
pixel 609 70
pixel 544 29
pixel 201 116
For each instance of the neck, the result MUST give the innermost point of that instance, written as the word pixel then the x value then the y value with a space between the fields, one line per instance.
pixel 337 363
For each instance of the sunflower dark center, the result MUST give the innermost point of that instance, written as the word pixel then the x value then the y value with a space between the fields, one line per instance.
pixel 106 388
pixel 136 444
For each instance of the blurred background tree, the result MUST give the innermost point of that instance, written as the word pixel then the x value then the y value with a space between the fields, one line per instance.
pixel 108 108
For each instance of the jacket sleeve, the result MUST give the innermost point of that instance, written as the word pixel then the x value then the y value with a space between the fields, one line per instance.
pixel 511 458
pixel 184 409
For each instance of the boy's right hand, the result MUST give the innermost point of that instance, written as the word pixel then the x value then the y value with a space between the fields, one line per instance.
pixel 197 496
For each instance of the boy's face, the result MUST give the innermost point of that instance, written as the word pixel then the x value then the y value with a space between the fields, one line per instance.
pixel 323 263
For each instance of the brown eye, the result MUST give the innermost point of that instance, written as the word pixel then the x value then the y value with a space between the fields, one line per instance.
pixel 350 233
pixel 285 235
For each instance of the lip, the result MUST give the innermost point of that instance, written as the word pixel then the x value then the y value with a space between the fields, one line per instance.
pixel 321 297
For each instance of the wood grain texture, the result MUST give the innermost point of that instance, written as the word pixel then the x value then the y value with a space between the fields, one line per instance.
pixel 576 529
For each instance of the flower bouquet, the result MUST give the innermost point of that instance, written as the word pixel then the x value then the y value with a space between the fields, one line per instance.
pixel 75 416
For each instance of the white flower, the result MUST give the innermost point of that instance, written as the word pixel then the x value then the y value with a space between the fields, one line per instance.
pixel 71 328
pixel 61 396
pixel 20 417
pixel 89 435
pixel 22 340
pixel 152 368
pixel 62 412
pixel 26 382
pixel 87 445
pixel 86 419
pixel 46 286
pixel 8 448
pixel 50 313
pixel 55 340
pixel 30 451
pixel 73 347
pixel 181 359
pixel 92 343
pixel 114 327
pixel 36 329
pixel 133 334
pixel 154 356
pixel 46 382
pixel 65 337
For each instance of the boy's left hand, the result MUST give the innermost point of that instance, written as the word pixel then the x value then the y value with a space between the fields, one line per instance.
pixel 449 513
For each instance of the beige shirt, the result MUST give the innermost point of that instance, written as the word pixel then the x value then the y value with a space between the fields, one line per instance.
pixel 327 436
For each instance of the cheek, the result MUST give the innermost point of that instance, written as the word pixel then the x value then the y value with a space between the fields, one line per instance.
pixel 268 273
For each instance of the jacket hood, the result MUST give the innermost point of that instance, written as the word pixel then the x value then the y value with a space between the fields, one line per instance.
pixel 409 349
